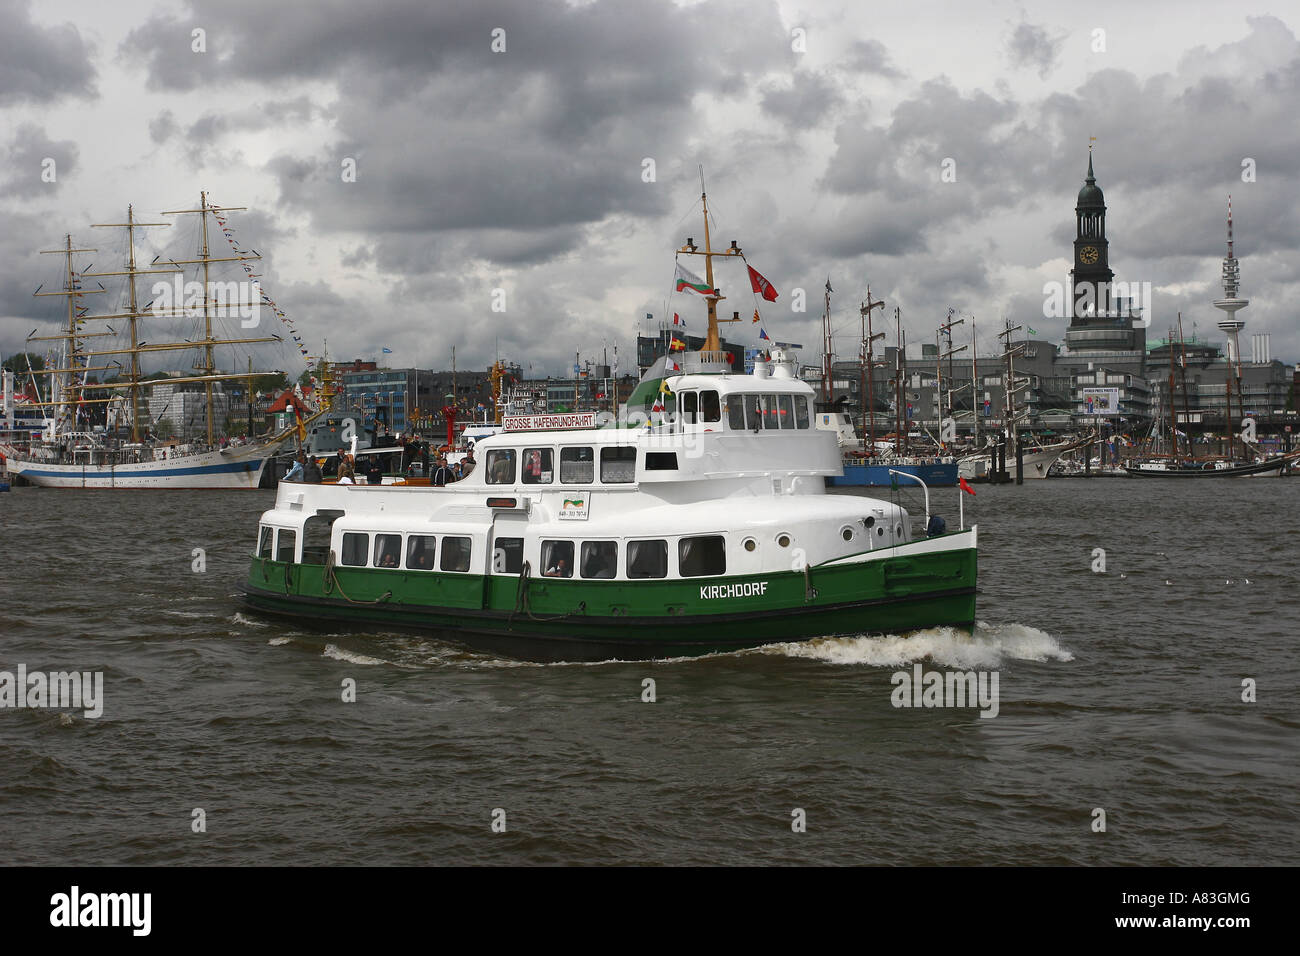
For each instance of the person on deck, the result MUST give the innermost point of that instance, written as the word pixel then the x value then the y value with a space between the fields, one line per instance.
pixel 311 473
pixel 374 472
pixel 442 474
pixel 295 473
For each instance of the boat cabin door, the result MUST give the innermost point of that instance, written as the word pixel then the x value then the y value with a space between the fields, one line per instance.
pixel 505 556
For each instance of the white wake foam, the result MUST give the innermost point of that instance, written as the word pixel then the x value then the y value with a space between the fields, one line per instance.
pixel 337 653
pixel 989 647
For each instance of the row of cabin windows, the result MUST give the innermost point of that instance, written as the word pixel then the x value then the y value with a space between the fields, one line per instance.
pixel 421 551
pixel 700 556
pixel 577 465
pixel 759 412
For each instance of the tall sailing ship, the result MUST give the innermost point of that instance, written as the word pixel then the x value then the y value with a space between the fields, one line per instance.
pixel 71 454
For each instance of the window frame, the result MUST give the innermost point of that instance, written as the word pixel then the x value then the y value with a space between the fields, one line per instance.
pixel 591 479
pixel 490 461
pixel 628 562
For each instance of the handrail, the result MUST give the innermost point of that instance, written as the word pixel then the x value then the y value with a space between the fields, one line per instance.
pixel 924 487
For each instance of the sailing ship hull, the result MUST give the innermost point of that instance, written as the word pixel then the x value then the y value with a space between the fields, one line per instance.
pixel 229 468
pixel 928 584
pixel 1037 464
pixel 1261 469
pixel 936 474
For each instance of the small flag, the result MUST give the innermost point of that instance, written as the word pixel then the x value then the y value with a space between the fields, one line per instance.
pixel 658 406
pixel 388 351
pixel 756 315
pixel 676 345
pixel 828 284
pixel 687 280
pixel 672 366
pixel 649 315
pixel 961 483
pixel 761 285
pixel 1032 331
pixel 762 334
pixel 678 320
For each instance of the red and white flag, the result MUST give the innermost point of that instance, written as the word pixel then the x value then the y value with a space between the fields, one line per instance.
pixel 761 285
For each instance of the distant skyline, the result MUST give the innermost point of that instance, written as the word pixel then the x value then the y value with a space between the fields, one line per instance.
pixel 933 150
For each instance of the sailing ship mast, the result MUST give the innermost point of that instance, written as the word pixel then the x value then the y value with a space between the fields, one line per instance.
pixel 868 393
pixel 900 373
pixel 133 313
pixel 209 343
pixel 945 330
pixel 63 383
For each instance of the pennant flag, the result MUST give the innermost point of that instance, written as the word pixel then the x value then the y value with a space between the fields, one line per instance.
pixel 1032 331
pixel 676 345
pixel 762 334
pixel 961 483
pixel 671 365
pixel 756 315
pixel 664 389
pixel 388 351
pixel 761 285
pixel 688 280
pixel 678 320
pixel 658 406
pixel 828 284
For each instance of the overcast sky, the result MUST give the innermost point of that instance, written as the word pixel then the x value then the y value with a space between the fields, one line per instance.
pixel 823 128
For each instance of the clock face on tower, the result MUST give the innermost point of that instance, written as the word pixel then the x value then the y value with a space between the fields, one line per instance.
pixel 1088 255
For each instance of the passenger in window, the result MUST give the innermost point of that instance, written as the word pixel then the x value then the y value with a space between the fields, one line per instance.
pixel 467 463
pixel 441 473
pixel 557 570
pixel 533 467
pixel 389 561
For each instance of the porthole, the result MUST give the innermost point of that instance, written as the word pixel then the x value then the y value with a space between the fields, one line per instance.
pixel 881 531
pixel 783 540
pixel 750 544
pixel 898 531
pixel 871 521
pixel 846 533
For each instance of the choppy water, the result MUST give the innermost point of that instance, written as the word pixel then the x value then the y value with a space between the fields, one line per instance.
pixel 1119 690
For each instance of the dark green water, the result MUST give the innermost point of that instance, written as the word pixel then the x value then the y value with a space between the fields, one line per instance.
pixel 1119 691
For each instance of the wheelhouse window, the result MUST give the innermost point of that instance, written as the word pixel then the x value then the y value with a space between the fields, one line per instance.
pixel 647 559
pixel 507 555
pixel 356 546
pixel 264 541
pixel 710 407
pixel 286 544
pixel 801 418
pixel 771 412
pixel 736 412
pixel 786 412
pixel 538 466
pixel 420 551
pixel 617 464
pixel 455 554
pixel 754 412
pixel 501 466
pixel 599 559
pixel 577 466
pixel 661 461
pixel 557 559
pixel 703 556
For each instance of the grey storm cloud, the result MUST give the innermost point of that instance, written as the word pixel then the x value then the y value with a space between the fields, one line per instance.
pixel 801 101
pixel 871 57
pixel 448 135
pixel 37 164
pixel 1033 47
pixel 41 64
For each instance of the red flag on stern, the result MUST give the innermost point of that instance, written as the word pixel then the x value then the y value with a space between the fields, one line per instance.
pixel 961 483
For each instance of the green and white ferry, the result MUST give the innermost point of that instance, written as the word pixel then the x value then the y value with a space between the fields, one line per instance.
pixel 706 529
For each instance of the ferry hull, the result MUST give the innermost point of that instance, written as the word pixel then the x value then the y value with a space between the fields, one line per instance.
pixel 548 620
pixel 230 469
pixel 878 476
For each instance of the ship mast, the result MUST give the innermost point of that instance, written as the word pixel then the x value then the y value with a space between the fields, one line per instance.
pixel 868 393
pixel 63 382
pixel 133 313
pixel 712 350
pixel 209 343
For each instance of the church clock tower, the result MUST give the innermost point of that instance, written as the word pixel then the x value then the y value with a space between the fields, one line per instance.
pixel 1091 276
